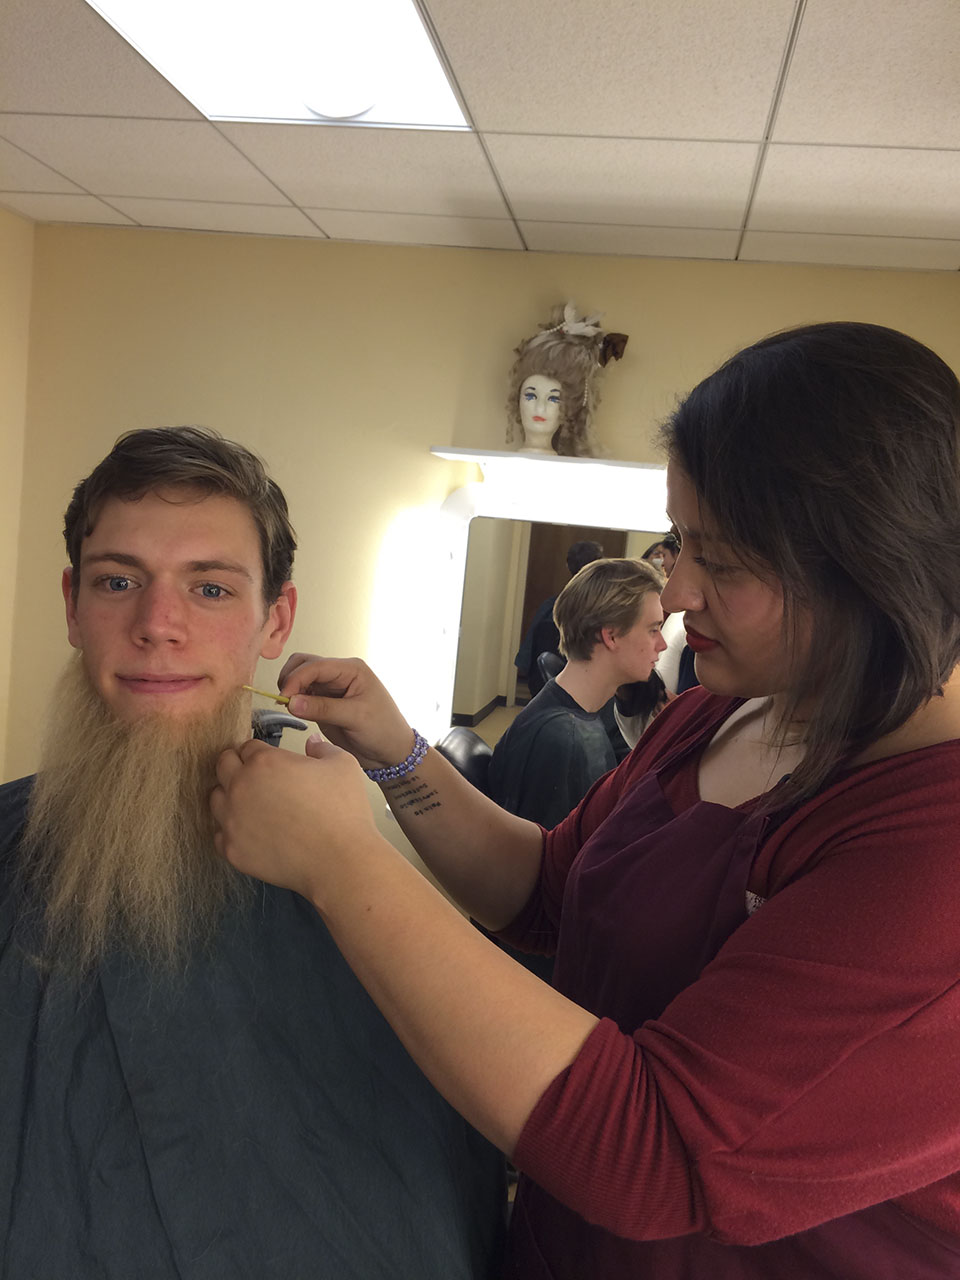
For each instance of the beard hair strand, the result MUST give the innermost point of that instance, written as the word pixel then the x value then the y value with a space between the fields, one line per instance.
pixel 118 849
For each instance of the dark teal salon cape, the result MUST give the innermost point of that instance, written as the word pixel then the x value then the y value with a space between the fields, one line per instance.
pixel 256 1118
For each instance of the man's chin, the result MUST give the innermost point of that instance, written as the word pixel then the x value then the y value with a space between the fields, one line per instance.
pixel 182 710
pixel 119 843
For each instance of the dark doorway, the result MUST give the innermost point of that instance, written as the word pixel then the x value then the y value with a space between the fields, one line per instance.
pixel 547 572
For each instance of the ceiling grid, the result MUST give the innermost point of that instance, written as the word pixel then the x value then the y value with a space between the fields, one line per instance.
pixel 761 130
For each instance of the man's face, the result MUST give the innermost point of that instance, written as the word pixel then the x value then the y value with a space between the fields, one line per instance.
pixel 169 612
pixel 638 648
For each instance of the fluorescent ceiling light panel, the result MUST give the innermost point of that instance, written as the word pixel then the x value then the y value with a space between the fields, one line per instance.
pixel 359 61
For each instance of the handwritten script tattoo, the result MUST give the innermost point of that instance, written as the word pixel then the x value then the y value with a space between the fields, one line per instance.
pixel 414 795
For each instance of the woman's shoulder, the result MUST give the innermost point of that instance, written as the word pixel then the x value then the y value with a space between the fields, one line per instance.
pixel 898 808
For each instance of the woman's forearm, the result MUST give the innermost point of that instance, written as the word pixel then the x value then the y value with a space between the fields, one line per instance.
pixel 486 859
pixel 488 1034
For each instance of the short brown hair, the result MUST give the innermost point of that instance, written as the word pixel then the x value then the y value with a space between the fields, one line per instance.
pixel 605 593
pixel 187 457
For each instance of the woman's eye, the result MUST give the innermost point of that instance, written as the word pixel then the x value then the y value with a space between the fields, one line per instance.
pixel 711 567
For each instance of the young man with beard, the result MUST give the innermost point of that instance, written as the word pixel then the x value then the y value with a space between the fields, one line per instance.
pixel 194 1083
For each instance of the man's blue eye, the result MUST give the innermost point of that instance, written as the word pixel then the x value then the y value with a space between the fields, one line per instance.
pixel 118 583
pixel 212 591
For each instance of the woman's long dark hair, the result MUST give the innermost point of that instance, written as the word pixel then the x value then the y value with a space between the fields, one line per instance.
pixel 830 455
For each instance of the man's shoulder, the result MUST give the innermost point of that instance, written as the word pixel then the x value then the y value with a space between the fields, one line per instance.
pixel 13 805
pixel 13 815
pixel 561 727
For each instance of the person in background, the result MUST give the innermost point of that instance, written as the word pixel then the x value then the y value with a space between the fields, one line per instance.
pixel 608 617
pixel 542 635
pixel 194 1082
pixel 747 1066
pixel 663 553
pixel 636 704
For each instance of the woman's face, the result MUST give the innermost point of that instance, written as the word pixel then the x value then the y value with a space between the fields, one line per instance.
pixel 732 616
pixel 539 407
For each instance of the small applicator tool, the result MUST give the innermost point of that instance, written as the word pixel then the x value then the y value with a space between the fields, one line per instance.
pixel 274 697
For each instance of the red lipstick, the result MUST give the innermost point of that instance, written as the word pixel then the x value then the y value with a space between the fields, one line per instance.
pixel 699 643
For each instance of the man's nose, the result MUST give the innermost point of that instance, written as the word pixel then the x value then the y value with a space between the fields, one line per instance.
pixel 161 615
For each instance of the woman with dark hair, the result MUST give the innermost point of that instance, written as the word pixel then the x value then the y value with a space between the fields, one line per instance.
pixel 748 1066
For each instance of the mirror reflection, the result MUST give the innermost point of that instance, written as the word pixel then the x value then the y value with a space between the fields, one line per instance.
pixel 514 570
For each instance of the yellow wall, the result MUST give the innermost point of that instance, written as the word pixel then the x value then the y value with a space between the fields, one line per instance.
pixel 16 268
pixel 342 364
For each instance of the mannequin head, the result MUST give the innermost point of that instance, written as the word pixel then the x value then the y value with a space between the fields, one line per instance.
pixel 539 409
pixel 568 354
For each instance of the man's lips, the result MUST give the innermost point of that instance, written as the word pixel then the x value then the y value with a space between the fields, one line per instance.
pixel 697 642
pixel 163 684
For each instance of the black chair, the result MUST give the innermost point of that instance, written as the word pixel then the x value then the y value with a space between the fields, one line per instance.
pixel 549 665
pixel 268 726
pixel 468 753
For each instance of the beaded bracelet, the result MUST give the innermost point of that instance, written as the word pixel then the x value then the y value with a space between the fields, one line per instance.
pixel 420 747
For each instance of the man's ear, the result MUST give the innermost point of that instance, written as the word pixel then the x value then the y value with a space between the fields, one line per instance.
pixel 608 638
pixel 73 626
pixel 279 623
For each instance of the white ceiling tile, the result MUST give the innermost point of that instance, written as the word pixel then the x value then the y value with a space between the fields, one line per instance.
pixel 859 190
pixel 851 251
pixel 686 184
pixel 255 219
pixel 879 72
pixel 65 208
pixel 643 242
pixel 61 56
pixel 417 228
pixel 385 170
pixel 651 113
pixel 177 159
pixel 20 172
pixel 634 68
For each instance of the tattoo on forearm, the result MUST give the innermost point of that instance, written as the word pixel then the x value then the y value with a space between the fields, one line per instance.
pixel 414 795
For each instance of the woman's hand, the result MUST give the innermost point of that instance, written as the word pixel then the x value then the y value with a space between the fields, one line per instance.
pixel 294 821
pixel 351 706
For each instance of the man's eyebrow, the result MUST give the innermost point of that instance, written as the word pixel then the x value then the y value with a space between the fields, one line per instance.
pixel 219 566
pixel 112 557
pixel 192 566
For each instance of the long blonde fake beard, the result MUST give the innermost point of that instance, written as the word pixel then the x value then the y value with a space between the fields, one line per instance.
pixel 118 849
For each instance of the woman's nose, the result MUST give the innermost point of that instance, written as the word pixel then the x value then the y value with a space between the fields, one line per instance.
pixel 683 592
